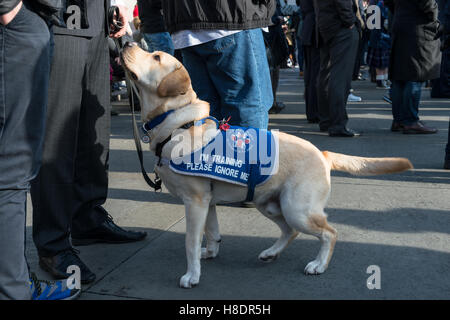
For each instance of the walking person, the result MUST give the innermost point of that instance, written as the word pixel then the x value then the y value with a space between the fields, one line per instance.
pixel 72 185
pixel 338 36
pixel 415 58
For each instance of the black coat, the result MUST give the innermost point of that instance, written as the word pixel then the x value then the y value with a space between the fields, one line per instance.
pixel 217 14
pixel 151 16
pixel 415 54
pixel 93 17
pixel 334 15
pixel 309 23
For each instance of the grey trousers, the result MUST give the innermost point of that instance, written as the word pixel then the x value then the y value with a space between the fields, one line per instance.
pixel 337 60
pixel 24 75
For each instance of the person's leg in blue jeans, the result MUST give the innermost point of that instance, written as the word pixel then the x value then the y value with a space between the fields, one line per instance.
pixel 239 72
pixel 202 82
pixel 396 94
pixel 405 101
pixel 159 42
pixel 24 74
pixel 411 99
pixel 405 107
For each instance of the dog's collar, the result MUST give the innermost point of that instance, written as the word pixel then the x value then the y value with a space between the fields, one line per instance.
pixel 148 126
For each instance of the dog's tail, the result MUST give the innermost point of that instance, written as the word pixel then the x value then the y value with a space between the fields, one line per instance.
pixel 366 166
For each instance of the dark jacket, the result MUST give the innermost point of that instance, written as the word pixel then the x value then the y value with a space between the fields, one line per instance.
pixel 334 15
pixel 415 54
pixel 92 18
pixel 152 19
pixel 7 5
pixel 50 10
pixel 217 14
pixel 308 34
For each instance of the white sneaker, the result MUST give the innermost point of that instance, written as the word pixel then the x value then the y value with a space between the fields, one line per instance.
pixel 353 98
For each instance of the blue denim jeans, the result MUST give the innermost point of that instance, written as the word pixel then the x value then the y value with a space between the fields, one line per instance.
pixel 232 74
pixel 405 96
pixel 159 42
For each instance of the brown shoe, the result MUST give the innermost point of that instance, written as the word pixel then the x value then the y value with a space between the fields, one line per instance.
pixel 396 126
pixel 418 128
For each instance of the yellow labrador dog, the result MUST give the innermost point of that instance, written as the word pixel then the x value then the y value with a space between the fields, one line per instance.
pixel 294 198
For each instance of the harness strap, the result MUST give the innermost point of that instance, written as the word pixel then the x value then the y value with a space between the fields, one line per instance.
pixel 254 168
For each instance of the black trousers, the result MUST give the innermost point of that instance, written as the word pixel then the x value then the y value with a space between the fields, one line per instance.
pixel 337 60
pixel 311 56
pixel 73 181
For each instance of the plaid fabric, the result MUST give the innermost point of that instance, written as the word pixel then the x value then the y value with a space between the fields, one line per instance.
pixel 378 57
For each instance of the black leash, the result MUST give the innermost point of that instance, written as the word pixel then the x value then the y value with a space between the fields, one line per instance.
pixel 114 12
pixel 137 140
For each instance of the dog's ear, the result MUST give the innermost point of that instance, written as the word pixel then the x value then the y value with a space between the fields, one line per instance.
pixel 175 83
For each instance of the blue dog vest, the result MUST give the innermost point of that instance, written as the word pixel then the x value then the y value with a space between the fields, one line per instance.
pixel 243 156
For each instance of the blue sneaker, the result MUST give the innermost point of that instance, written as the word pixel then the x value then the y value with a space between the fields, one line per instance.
pixel 51 290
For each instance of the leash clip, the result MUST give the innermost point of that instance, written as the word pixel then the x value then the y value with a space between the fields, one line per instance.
pixel 145 138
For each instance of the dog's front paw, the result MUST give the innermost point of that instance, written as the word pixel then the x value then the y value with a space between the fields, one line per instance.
pixel 268 255
pixel 189 280
pixel 315 267
pixel 210 253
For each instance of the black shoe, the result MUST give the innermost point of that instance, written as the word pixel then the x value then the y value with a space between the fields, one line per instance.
pixel 314 120
pixel 346 133
pixel 277 108
pixel 447 163
pixel 396 126
pixel 57 265
pixel 107 232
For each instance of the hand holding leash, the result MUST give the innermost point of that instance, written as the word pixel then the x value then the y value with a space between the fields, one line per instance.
pixel 117 21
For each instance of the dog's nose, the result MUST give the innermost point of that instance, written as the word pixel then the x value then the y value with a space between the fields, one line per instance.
pixel 130 44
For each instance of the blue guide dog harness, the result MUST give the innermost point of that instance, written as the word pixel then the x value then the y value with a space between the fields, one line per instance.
pixel 242 156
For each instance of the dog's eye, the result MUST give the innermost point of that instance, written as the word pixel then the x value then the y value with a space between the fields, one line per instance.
pixel 133 76
pixel 157 57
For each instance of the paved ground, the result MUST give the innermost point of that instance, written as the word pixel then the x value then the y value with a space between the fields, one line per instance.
pixel 400 223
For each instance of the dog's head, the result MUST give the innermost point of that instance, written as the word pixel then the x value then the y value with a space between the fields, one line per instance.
pixel 158 76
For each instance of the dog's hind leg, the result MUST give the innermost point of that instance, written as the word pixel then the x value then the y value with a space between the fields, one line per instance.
pixel 273 212
pixel 212 235
pixel 311 219
pixel 196 213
